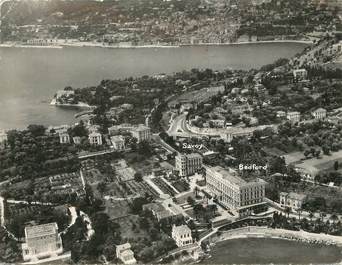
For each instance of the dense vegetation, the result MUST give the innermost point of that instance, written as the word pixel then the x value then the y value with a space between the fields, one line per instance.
pixel 32 153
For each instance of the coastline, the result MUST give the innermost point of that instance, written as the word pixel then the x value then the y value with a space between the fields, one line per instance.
pixel 78 105
pixel 99 45
pixel 266 233
pixel 277 233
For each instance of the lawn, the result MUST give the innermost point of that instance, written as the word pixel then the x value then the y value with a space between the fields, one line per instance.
pixel 314 165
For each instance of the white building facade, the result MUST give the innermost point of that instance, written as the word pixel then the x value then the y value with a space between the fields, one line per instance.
pixel 41 241
pixel 182 235
pixel 125 254
pixel 118 142
pixel 240 196
pixel 292 200
pixel 95 138
pixel 142 133
pixel 188 164
pixel 319 114
pixel 64 138
pixel 293 116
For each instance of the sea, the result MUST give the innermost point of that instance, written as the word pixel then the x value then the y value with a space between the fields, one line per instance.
pixel 29 77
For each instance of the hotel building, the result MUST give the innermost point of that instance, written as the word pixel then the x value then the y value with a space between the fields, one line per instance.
pixel 41 241
pixel 188 164
pixel 242 197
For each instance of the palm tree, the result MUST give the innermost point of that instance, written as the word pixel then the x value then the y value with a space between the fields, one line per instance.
pixel 334 218
pixel 322 215
pixel 299 211
pixel 196 191
pixel 287 211
pixel 311 215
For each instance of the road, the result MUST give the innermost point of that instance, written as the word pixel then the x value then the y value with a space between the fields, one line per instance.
pixel 180 128
pixel 99 153
pixel 160 141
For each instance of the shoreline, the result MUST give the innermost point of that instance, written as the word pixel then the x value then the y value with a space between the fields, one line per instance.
pixel 78 105
pixel 95 45
pixel 277 233
pixel 263 232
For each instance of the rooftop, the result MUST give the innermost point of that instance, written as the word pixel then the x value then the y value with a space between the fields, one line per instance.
pixel 233 177
pixel 229 175
pixel 320 110
pixel 41 230
pixel 182 229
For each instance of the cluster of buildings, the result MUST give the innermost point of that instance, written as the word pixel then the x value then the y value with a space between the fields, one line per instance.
pixel 140 132
pixel 117 140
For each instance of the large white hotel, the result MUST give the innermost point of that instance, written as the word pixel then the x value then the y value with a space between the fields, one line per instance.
pixel 240 196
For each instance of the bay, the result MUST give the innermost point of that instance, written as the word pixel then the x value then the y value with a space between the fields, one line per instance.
pixel 29 77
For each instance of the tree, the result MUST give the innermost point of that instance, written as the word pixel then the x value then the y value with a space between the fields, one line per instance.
pixel 336 165
pixel 138 177
pixel 326 149
pixel 36 130
pixel 198 210
pixel 299 211
pixel 311 215
pixel 287 211
pixel 102 187
pixel 190 201
pixel 306 153
pixel 137 204
pixel 334 218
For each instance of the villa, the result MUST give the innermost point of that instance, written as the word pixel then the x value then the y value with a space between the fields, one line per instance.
pixel 292 200
pixel 125 254
pixel 300 74
pixel 64 138
pixel 95 138
pixel 293 116
pixel 118 142
pixel 182 235
pixel 142 133
pixel 319 114
pixel 41 241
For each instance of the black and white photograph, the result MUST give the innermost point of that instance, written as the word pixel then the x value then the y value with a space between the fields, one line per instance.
pixel 171 132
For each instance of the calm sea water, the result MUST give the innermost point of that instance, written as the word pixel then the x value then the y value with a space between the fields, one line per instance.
pixel 29 77
pixel 272 251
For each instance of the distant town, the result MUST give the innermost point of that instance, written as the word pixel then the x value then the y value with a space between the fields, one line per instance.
pixel 127 23
pixel 162 168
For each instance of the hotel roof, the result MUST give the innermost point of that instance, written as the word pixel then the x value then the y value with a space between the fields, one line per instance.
pixel 41 230
pixel 233 177
pixel 229 175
